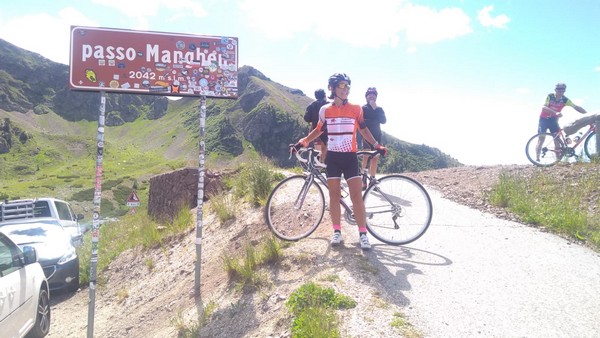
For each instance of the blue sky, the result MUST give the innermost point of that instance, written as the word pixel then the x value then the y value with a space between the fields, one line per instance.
pixel 467 77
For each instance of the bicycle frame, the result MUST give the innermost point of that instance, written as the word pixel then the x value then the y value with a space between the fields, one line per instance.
pixel 570 150
pixel 398 209
pixel 312 173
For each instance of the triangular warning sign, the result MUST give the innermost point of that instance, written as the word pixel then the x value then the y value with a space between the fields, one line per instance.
pixel 133 198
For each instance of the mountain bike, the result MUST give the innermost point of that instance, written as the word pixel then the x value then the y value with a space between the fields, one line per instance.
pixel 398 208
pixel 547 149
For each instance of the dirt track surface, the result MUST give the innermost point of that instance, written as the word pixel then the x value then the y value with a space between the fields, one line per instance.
pixel 471 274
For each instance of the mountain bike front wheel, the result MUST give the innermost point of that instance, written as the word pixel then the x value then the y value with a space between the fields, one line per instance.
pixel 544 149
pixel 295 208
pixel 590 146
pixel 398 209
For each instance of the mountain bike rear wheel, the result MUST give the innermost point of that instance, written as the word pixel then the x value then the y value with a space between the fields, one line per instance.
pixel 398 209
pixel 295 208
pixel 544 149
pixel 590 146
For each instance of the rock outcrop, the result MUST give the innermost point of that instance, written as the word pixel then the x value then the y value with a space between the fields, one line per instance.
pixel 178 189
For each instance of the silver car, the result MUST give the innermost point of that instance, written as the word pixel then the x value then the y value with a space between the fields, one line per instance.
pixel 54 249
pixel 24 292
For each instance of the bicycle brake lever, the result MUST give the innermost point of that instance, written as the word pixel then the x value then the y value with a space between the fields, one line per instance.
pixel 293 147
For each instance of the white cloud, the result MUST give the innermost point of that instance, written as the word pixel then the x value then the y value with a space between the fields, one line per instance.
pixel 523 90
pixel 142 10
pixel 426 25
pixel 486 19
pixel 53 40
pixel 279 19
pixel 358 23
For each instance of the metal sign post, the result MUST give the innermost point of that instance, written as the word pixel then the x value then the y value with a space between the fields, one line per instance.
pixel 96 216
pixel 156 63
pixel 200 197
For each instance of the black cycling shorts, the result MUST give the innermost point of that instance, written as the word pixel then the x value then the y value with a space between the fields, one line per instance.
pixel 548 123
pixel 342 163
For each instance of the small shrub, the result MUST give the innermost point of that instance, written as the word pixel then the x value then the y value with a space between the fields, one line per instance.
pixel 311 294
pixel 120 193
pixel 109 184
pixel 254 181
pixel 272 251
pixel 122 294
pixel 224 205
pixel 230 264
pixel 193 330
pixel 312 307
pixel 400 323
pixel 246 271
pixel 149 264
pixel 316 322
pixel 83 195
pixel 182 220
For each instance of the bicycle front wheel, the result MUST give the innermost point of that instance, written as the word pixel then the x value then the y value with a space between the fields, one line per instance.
pixel 590 146
pixel 295 208
pixel 544 150
pixel 398 209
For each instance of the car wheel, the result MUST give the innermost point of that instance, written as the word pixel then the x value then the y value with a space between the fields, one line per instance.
pixel 42 318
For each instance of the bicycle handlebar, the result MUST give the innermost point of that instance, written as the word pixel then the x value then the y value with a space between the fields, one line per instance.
pixel 371 153
pixel 299 151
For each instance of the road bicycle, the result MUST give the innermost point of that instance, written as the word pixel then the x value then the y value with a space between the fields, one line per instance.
pixel 398 208
pixel 547 149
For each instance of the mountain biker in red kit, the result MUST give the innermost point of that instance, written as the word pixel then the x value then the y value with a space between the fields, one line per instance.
pixel 551 111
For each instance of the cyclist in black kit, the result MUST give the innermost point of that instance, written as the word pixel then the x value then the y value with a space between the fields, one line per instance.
pixel 374 118
pixel 312 116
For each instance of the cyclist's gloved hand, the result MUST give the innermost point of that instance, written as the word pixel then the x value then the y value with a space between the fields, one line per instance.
pixel 381 149
pixel 302 142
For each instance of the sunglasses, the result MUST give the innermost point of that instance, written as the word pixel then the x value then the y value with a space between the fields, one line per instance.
pixel 343 85
pixel 559 88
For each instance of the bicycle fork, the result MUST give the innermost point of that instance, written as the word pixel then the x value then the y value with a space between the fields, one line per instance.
pixel 302 195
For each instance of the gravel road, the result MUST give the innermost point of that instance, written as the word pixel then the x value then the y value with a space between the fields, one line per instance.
pixel 474 275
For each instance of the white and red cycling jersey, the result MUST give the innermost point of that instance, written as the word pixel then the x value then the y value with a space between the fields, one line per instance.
pixel 341 123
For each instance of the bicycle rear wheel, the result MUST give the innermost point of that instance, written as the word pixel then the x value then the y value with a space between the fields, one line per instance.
pixel 590 146
pixel 295 208
pixel 398 210
pixel 544 149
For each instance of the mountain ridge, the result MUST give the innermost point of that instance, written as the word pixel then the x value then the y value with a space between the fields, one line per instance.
pixel 49 129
